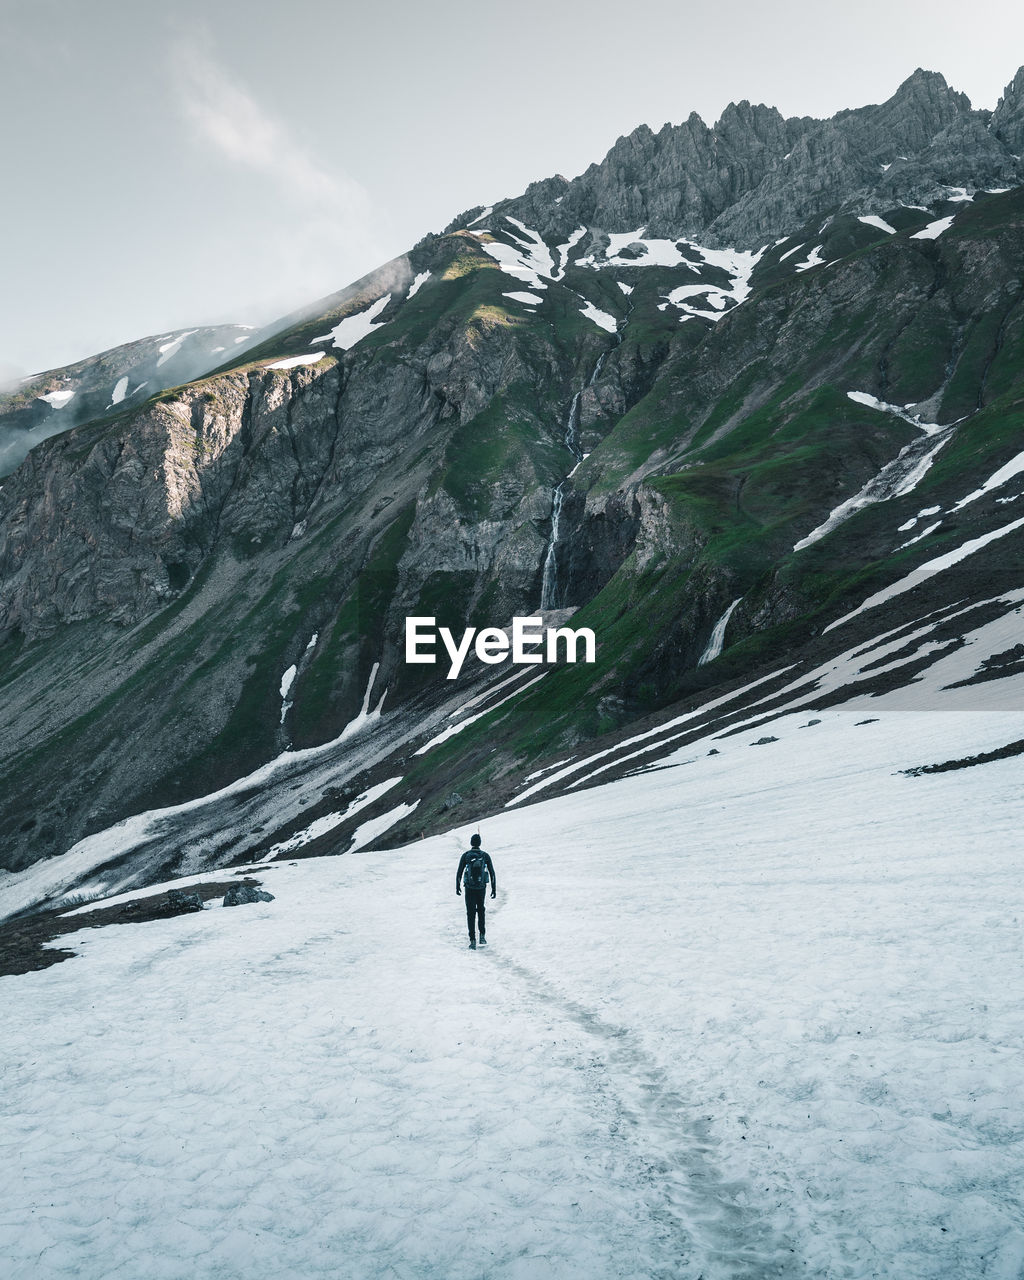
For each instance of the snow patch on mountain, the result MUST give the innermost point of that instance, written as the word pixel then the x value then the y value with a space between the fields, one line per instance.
pixel 814 259
pixel 293 362
pixel 934 229
pixel 738 264
pixel 356 327
pixel 599 317
pixel 58 399
pixel 172 348
pixel 873 220
pixel 119 391
pixel 528 259
pixel 926 532
pixel 563 252
pixel 417 284
pixel 374 827
pixel 287 680
pixel 649 735
pixel 458 727
pixel 527 299
pixel 642 252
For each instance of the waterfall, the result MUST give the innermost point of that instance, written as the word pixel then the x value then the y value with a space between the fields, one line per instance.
pixel 549 583
pixel 717 640
pixel 549 589
pixel 600 361
pixel 572 427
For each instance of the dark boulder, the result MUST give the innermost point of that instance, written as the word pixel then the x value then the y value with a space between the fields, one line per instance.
pixel 240 894
pixel 179 902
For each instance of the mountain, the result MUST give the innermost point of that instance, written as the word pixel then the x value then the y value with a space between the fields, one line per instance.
pixel 50 403
pixel 743 400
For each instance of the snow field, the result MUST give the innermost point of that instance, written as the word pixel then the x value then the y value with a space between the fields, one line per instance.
pixel 750 1014
pixel 348 1092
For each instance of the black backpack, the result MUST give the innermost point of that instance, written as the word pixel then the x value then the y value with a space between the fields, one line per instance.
pixel 476 869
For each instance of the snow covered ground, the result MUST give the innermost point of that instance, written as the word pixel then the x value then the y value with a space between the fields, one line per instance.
pixel 753 1013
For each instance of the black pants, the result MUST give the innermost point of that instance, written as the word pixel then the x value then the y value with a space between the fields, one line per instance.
pixel 475 909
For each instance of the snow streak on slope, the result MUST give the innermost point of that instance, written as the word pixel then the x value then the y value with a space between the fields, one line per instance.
pixel 845 673
pixel 454 729
pixel 801 1057
pixel 530 260
pixel 928 570
pixel 21 889
pixel 527 299
pixel 172 348
pixel 995 481
pixel 633 249
pixel 897 478
pixel 563 251
pixel 321 826
pixel 649 735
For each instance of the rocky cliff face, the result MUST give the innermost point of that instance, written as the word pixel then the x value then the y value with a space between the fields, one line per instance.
pixel 581 399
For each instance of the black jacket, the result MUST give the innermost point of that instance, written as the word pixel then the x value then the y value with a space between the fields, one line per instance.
pixel 490 869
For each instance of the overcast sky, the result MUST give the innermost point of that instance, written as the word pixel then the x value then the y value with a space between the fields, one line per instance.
pixel 192 161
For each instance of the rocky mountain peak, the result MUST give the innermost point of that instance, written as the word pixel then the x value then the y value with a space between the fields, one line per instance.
pixel 1008 118
pixel 755 175
pixel 931 87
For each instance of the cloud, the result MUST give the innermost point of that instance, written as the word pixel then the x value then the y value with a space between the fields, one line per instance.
pixel 10 375
pixel 316 231
pixel 230 120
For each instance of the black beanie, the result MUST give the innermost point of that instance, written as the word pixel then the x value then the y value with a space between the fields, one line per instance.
pixel 475 841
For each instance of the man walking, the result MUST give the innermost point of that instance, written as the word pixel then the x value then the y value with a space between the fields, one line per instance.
pixel 475 868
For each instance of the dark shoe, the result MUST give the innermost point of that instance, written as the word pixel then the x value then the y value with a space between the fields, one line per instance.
pixel 472 944
pixel 483 941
